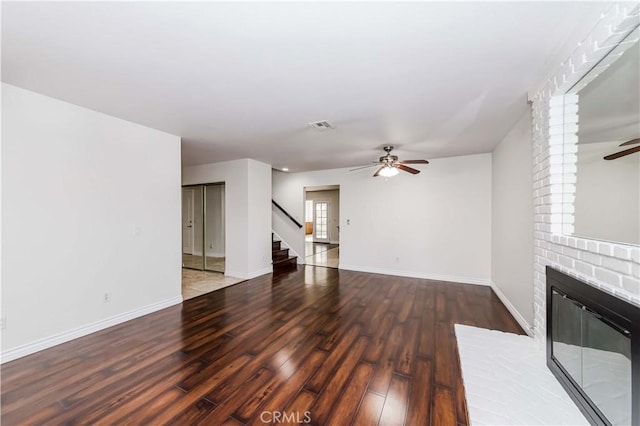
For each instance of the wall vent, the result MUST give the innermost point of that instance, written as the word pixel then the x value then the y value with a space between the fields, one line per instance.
pixel 321 125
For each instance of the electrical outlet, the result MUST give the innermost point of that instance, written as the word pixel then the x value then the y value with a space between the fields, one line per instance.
pixel 3 322
pixel 106 298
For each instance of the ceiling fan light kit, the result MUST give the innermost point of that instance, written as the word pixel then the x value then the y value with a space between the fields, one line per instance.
pixel 388 171
pixel 390 166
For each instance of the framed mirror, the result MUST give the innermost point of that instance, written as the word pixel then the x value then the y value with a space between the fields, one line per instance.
pixel 602 156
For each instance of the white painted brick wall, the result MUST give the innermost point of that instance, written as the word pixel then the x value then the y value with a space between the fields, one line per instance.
pixel 612 267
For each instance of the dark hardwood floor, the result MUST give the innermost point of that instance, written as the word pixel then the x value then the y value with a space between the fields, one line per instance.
pixel 316 344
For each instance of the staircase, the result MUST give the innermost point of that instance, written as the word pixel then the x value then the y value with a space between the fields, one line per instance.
pixel 281 259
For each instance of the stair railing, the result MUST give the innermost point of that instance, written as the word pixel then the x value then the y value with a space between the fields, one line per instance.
pixel 286 214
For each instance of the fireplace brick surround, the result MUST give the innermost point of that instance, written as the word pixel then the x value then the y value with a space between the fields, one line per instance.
pixel 612 267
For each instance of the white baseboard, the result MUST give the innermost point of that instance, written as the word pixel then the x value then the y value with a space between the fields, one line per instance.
pixel 512 309
pixel 249 275
pixel 413 274
pixel 65 336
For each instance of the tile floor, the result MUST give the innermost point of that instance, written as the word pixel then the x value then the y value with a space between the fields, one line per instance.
pixel 197 283
pixel 320 254
pixel 213 263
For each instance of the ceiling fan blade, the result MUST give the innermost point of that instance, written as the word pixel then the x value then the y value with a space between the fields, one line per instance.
pixel 622 153
pixel 408 169
pixel 377 173
pixel 414 162
pixel 364 167
pixel 631 142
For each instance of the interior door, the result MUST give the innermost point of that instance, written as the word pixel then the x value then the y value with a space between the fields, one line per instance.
pixel 187 221
pixel 321 222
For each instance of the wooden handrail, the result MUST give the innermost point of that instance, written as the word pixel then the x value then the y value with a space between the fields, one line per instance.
pixel 286 214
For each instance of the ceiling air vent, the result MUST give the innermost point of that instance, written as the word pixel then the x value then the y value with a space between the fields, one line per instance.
pixel 321 125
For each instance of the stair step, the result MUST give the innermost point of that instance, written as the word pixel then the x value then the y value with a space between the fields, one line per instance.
pixel 279 254
pixel 275 245
pixel 290 262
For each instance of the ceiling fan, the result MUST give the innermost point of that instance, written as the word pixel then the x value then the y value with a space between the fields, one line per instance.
pixel 390 166
pixel 626 151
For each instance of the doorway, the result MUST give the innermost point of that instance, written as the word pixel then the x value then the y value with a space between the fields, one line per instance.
pixel 322 226
pixel 203 227
pixel 203 240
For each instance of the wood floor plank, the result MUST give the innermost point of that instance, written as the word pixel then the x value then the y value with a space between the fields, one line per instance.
pixel 250 409
pixel 196 393
pixel 239 395
pixel 317 382
pixel 346 347
pixel 126 404
pixel 441 304
pixel 427 332
pixel 444 354
pixel 407 353
pixel 231 422
pixel 195 414
pixel 301 405
pixel 285 393
pixel 369 411
pixel 97 401
pixel 374 314
pixel 386 365
pixel 419 410
pixel 323 405
pixel 379 339
pixel 395 404
pixel 276 354
pixel 444 410
pixel 337 332
pixel 405 309
pixel 345 409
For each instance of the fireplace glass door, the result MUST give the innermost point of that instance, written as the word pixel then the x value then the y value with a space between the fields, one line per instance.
pixel 596 353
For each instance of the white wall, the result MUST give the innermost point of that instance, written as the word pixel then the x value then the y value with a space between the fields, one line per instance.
pixel 433 225
pixel 512 221
pixel 91 205
pixel 607 204
pixel 333 197
pixel 247 212
pixel 259 193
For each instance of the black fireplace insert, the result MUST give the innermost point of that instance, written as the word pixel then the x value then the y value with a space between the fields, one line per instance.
pixel 593 349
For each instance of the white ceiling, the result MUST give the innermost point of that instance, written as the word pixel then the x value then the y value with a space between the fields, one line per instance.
pixel 240 80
